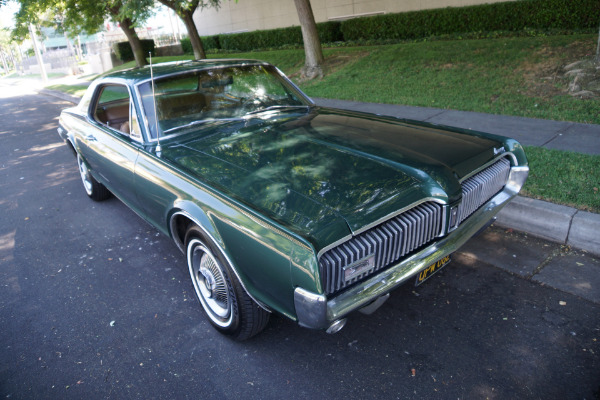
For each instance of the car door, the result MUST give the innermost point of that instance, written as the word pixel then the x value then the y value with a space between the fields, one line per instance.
pixel 111 147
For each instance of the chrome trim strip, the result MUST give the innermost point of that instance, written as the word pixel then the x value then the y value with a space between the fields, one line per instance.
pixel 398 212
pixel 478 170
pixel 181 247
pixel 315 311
pixel 382 220
pixel 334 244
pixel 284 76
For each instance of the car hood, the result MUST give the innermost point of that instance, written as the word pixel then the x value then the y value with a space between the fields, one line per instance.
pixel 329 173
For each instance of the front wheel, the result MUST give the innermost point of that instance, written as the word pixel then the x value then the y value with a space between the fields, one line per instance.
pixel 225 302
pixel 94 189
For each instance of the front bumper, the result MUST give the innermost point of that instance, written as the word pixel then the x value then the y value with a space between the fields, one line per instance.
pixel 318 312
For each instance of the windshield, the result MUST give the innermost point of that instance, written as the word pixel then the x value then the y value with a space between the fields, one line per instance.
pixel 185 100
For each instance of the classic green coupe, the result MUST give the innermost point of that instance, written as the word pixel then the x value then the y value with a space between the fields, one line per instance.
pixel 280 205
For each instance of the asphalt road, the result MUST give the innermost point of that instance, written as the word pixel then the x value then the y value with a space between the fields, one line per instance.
pixel 95 303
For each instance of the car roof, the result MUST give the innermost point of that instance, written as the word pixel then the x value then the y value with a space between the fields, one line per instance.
pixel 136 75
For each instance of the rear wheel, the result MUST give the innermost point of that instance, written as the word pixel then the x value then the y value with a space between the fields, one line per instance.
pixel 94 189
pixel 225 302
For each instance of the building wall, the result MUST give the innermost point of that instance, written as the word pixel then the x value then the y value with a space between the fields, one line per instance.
pixel 250 15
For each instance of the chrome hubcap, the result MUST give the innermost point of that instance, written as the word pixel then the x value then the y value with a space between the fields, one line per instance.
pixel 210 284
pixel 85 175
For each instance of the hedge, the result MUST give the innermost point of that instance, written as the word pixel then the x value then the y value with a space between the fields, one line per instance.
pixel 208 42
pixel 274 38
pixel 124 53
pixel 508 16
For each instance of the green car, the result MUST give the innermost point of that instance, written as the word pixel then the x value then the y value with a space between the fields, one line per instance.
pixel 280 205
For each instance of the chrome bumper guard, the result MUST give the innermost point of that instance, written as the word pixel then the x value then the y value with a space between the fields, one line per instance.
pixel 317 312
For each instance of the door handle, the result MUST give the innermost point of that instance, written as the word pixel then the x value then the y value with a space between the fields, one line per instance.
pixel 91 138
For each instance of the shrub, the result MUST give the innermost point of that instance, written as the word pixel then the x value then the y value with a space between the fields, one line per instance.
pixel 208 42
pixel 508 16
pixel 124 53
pixel 211 42
pixel 276 38
pixel 330 32
pixel 519 18
pixel 186 46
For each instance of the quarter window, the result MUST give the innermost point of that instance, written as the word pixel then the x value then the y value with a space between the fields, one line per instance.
pixel 113 109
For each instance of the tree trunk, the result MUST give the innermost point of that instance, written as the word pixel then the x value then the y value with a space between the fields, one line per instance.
pixel 313 67
pixel 134 42
pixel 188 20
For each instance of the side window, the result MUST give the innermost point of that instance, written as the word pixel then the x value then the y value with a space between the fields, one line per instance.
pixel 113 109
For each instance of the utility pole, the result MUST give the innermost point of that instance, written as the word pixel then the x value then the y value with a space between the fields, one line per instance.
pixel 38 55
pixel 171 23
pixel 177 26
pixel 4 63
pixel 78 48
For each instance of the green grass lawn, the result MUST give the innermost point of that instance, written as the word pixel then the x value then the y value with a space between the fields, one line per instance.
pixel 51 75
pixel 564 177
pixel 75 90
pixel 510 76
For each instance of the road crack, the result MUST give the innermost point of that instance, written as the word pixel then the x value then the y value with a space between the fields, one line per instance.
pixel 563 250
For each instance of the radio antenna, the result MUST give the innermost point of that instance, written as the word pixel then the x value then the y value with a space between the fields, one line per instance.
pixel 158 148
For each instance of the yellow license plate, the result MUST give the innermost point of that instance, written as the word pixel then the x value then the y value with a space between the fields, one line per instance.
pixel 432 269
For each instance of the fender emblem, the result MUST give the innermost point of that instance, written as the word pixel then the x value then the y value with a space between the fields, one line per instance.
pixel 499 150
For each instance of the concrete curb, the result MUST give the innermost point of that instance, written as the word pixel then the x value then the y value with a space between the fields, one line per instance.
pixel 585 232
pixel 60 95
pixel 550 221
pixel 554 222
pixel 540 218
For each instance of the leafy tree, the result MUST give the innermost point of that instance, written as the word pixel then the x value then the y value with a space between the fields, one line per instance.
pixel 185 10
pixel 88 16
pixel 313 66
pixel 129 13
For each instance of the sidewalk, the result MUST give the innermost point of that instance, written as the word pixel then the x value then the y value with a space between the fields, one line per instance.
pixel 562 224
pixel 559 135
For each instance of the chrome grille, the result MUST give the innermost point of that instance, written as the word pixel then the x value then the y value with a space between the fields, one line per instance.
pixel 388 242
pixel 479 188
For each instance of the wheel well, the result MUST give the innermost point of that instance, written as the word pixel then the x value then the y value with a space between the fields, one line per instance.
pixel 179 227
pixel 70 146
pixel 180 223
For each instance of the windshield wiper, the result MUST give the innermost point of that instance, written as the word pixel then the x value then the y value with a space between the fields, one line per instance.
pixel 279 107
pixel 202 121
